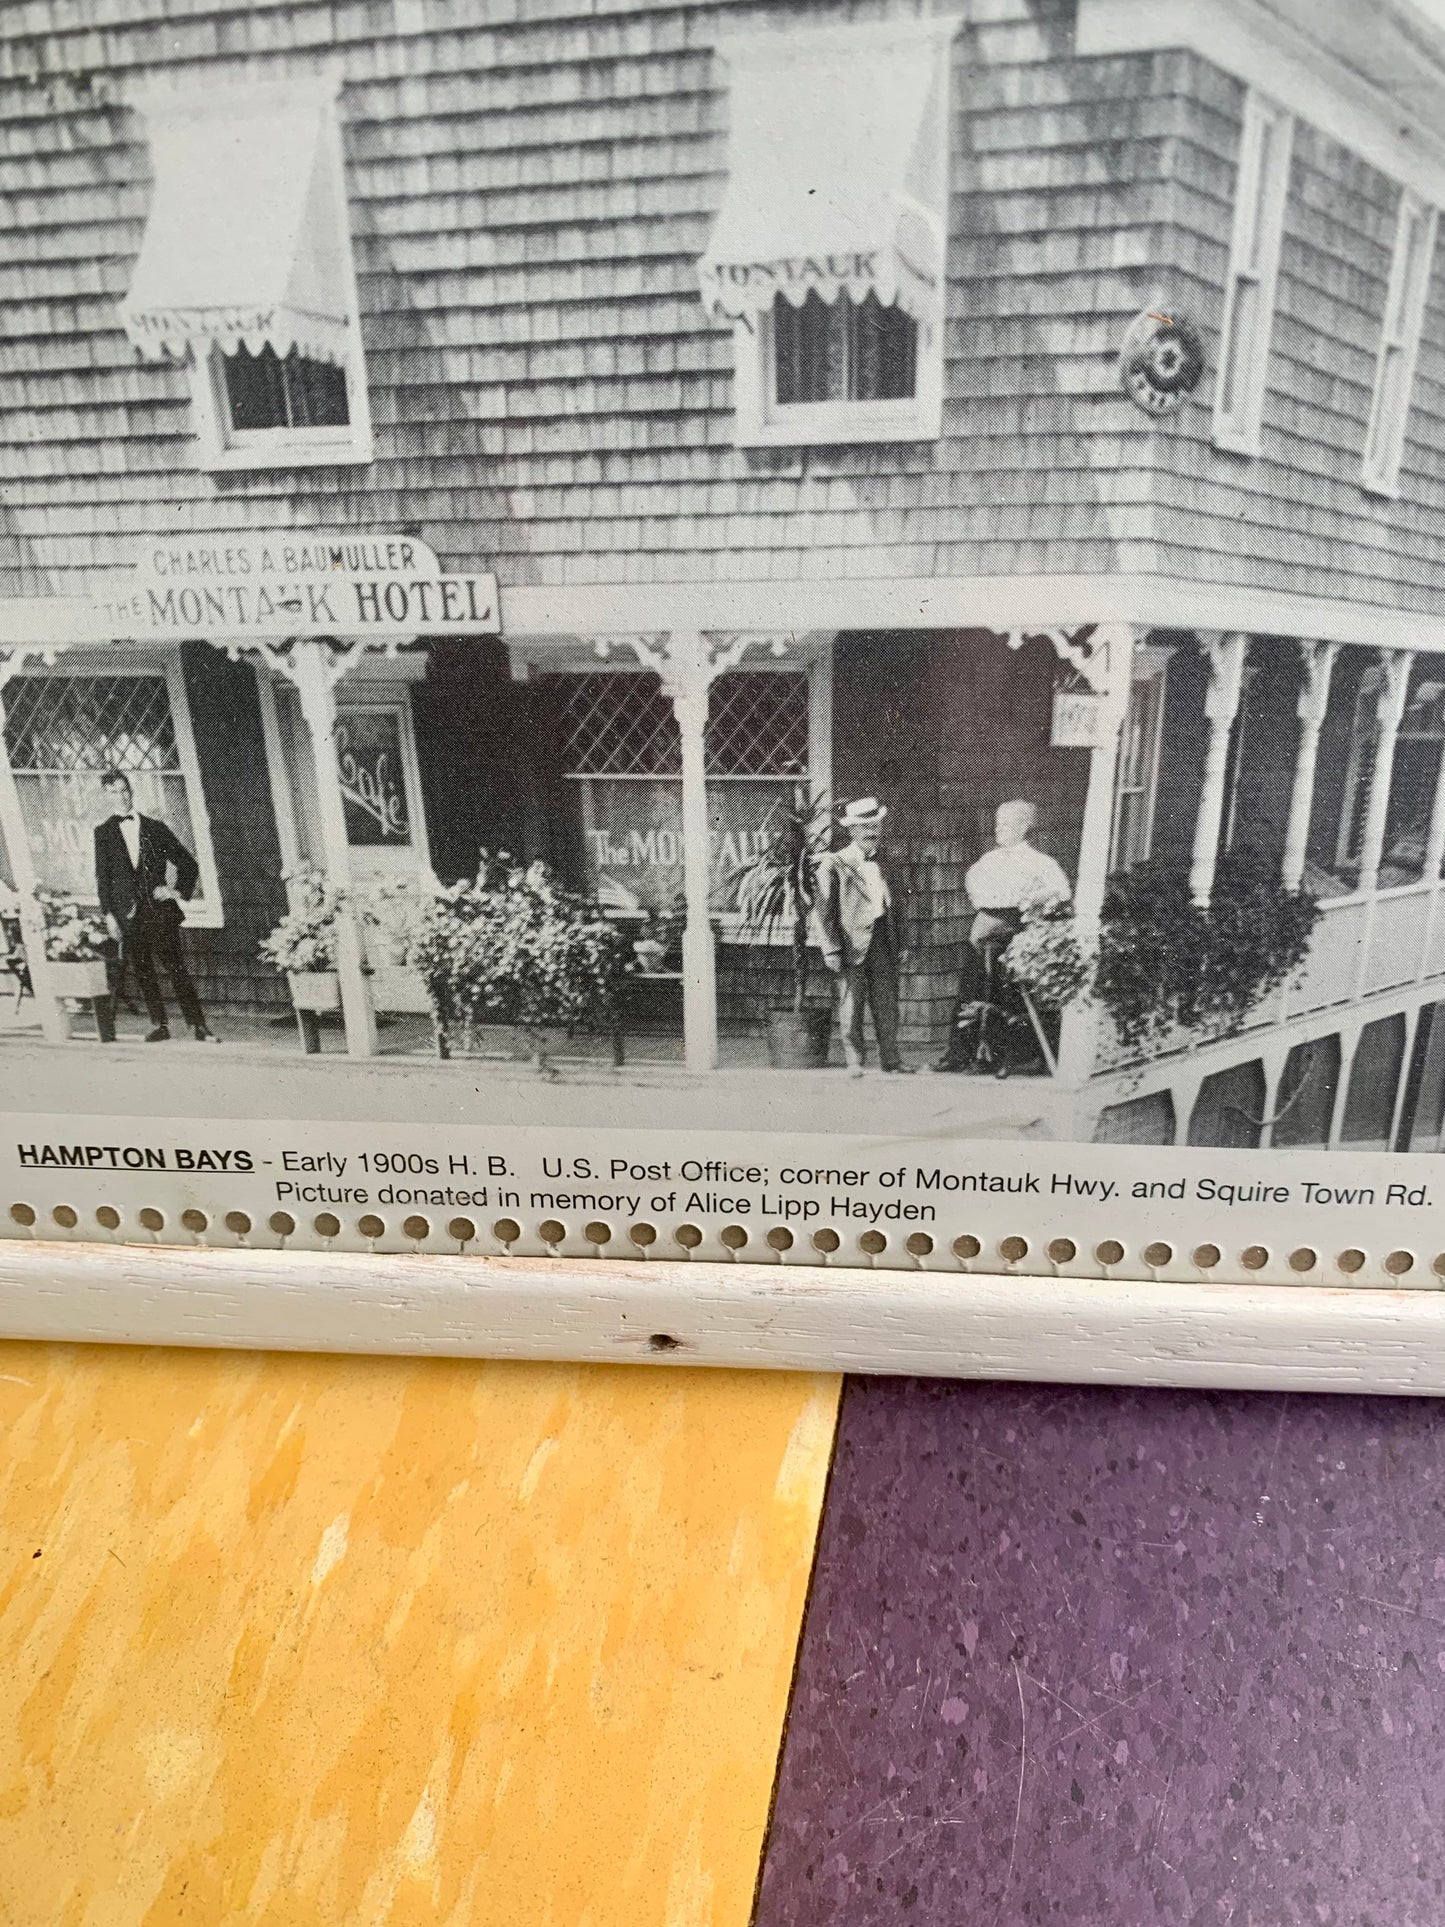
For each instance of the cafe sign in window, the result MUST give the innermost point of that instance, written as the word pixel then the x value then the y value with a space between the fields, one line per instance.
pixel 370 759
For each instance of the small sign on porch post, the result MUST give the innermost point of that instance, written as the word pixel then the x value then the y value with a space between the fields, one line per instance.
pixel 1078 720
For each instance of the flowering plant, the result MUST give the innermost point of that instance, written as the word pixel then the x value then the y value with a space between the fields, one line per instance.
pixel 305 938
pixel 512 946
pixel 73 934
pixel 1047 957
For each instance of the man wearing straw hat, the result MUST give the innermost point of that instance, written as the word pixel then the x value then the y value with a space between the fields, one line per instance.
pixel 859 921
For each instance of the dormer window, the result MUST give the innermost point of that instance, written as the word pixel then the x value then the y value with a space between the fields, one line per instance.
pixel 828 252
pixel 245 275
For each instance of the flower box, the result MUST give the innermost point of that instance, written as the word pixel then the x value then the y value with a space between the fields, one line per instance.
pixel 315 989
pixel 86 978
pixel 396 989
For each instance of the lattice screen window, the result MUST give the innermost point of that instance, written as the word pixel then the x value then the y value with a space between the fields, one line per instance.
pixel 58 724
pixel 622 724
pixel 63 732
pixel 757 724
pixel 619 725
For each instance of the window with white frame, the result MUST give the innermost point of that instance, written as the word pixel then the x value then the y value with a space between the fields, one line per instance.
pixel 1138 777
pixel 65 729
pixel 828 253
pixel 1261 186
pixel 1399 343
pixel 245 275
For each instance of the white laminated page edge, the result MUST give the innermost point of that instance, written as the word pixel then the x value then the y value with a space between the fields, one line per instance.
pixel 793 1317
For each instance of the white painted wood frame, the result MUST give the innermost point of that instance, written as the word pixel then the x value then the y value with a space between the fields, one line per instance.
pixel 942 1323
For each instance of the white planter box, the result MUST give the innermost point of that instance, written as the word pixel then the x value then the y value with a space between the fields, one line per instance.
pixel 315 989
pixel 395 988
pixel 87 979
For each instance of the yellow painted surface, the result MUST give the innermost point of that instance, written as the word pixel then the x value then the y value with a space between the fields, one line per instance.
pixel 326 1642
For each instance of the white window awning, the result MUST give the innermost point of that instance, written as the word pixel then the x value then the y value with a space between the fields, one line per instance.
pixel 837 169
pixel 246 243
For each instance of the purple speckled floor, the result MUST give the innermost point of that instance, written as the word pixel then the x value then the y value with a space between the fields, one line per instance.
pixel 1095 1656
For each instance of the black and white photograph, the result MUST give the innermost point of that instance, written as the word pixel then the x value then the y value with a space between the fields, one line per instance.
pixel 845 566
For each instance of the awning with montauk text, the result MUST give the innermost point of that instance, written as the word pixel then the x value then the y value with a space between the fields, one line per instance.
pixel 246 244
pixel 836 168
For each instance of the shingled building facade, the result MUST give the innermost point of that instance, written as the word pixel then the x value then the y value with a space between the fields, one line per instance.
pixel 767 357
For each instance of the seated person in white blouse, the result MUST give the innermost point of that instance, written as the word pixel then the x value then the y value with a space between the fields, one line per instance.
pixel 1005 881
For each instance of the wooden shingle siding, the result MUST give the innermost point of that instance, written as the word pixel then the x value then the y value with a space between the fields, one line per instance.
pixel 529 188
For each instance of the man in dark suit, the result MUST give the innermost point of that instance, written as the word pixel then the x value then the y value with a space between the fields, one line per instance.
pixel 143 874
pixel 858 917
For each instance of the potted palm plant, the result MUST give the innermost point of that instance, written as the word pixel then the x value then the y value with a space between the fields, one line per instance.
pixel 776 893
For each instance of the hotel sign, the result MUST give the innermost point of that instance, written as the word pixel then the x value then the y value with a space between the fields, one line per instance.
pixel 301 582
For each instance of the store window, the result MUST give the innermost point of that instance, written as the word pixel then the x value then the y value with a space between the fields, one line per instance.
pixel 623 752
pixel 828 252
pixel 1399 343
pixel 245 275
pixel 1261 185
pixel 64 730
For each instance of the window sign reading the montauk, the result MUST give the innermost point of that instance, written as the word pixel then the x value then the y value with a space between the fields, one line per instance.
pixel 301 582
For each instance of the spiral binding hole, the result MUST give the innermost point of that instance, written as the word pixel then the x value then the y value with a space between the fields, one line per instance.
pixel 1351 1260
pixel 1207 1256
pixel 689 1236
pixel 1158 1253
pixel 195 1221
pixel 1304 1259
pixel 282 1223
pixel 66 1216
pixel 108 1218
pixel 1254 1257
pixel 918 1244
pixel 371 1226
pixel 416 1228
pixel 551 1231
pixel 966 1247
pixel 826 1241
pixel 733 1236
pixel 239 1223
pixel 23 1214
pixel 1013 1251
pixel 1397 1263
pixel 1109 1252
pixel 643 1235
pixel 1062 1251
pixel 462 1229
pixel 780 1238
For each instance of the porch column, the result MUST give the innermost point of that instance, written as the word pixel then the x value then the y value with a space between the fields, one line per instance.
pixel 1435 837
pixel 1109 671
pixel 687 675
pixel 315 671
pixel 1389 713
pixel 53 1021
pixel 1317 663
pixel 1226 655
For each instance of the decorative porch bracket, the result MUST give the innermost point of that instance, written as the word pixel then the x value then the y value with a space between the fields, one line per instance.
pixel 13 659
pixel 314 666
pixel 687 663
pixel 1317 664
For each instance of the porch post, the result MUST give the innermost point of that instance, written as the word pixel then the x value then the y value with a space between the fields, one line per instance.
pixel 687 676
pixel 314 674
pixel 1389 713
pixel 1318 662
pixel 1226 655
pixel 1110 672
pixel 53 1021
